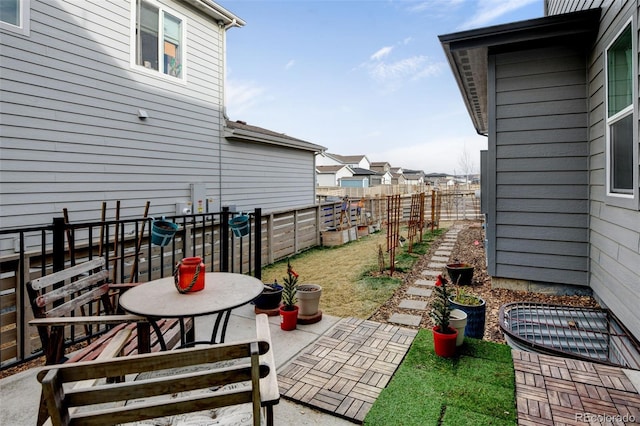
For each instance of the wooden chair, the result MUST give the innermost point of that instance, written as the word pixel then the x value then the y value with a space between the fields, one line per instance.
pixel 166 384
pixel 80 296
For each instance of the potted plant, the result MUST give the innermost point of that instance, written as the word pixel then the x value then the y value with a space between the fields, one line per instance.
pixel 475 308
pixel 444 336
pixel 270 297
pixel 460 273
pixel 289 310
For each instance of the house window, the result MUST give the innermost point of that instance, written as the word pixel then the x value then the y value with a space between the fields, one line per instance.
pixel 14 15
pixel 159 39
pixel 620 121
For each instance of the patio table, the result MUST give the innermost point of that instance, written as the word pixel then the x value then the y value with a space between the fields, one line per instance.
pixel 223 291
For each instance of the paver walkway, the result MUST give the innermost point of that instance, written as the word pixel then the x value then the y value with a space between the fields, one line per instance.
pixel 553 391
pixel 344 371
pixel 436 266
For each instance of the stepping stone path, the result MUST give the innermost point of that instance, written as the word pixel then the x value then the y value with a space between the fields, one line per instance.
pixel 421 289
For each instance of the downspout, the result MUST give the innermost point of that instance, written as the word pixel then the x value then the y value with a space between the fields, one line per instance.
pixel 223 107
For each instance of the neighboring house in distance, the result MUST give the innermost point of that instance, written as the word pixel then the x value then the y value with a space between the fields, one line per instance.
pixel 397 177
pixel 383 170
pixel 436 179
pixel 558 100
pixel 106 115
pixel 353 161
pixel 327 159
pixel 332 175
pixel 413 177
pixel 361 178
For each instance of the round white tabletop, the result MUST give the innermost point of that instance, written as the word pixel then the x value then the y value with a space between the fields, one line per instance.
pixel 160 298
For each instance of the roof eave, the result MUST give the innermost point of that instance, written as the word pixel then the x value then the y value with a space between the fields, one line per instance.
pixel 255 137
pixel 467 52
pixel 217 12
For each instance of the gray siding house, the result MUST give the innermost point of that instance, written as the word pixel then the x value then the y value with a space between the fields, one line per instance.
pixel 557 98
pixel 124 100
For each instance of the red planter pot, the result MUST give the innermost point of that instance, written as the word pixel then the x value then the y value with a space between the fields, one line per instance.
pixel 445 344
pixel 288 319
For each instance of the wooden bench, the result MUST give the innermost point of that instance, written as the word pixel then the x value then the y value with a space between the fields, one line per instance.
pixel 167 384
pixel 81 297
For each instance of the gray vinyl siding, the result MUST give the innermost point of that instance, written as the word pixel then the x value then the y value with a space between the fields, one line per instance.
pixel 71 137
pixel 614 232
pixel 288 180
pixel 537 226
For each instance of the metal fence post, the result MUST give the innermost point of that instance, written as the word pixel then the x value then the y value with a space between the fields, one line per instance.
pixel 58 244
pixel 224 240
pixel 257 245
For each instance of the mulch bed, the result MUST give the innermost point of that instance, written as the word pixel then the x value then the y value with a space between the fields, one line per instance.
pixel 469 248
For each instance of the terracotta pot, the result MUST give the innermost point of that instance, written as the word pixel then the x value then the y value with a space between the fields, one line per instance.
pixel 445 344
pixel 288 319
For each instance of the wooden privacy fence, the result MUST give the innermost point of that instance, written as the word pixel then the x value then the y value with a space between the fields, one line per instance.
pixel 30 253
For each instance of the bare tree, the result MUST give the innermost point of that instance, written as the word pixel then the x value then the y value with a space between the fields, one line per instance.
pixel 466 163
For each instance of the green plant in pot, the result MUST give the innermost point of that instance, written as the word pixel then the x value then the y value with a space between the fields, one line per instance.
pixel 289 310
pixel 444 336
pixel 475 308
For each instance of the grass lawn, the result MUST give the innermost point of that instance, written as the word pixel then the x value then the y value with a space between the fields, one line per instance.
pixel 352 284
pixel 476 387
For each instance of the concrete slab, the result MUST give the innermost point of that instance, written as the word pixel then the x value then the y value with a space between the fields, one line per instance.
pixel 426 283
pixel 440 258
pixel 413 304
pixel 443 253
pixel 21 392
pixel 418 291
pixel 431 273
pixel 436 265
pixel 405 319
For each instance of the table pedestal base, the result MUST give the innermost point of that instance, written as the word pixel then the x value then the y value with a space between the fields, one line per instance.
pixel 310 319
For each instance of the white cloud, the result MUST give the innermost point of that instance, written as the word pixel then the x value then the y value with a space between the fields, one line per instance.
pixel 242 96
pixel 435 6
pixel 382 53
pixel 290 64
pixel 414 68
pixel 488 11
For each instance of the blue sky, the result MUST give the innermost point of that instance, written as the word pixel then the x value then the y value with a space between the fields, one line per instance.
pixel 359 76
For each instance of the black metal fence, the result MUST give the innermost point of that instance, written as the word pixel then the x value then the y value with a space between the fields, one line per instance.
pixel 131 256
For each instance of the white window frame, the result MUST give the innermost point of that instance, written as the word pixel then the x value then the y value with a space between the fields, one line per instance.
pixel 25 19
pixel 134 43
pixel 622 199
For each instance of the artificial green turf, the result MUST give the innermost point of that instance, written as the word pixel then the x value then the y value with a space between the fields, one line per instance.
pixel 476 387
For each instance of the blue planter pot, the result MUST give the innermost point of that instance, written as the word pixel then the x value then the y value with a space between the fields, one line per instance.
pixel 475 318
pixel 269 299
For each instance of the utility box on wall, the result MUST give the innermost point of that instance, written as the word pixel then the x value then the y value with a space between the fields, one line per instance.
pixel 198 197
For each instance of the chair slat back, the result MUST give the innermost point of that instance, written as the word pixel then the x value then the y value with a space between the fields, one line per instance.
pixel 65 274
pixel 171 383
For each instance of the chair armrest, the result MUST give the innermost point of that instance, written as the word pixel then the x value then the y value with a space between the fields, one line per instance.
pixel 269 392
pixel 104 319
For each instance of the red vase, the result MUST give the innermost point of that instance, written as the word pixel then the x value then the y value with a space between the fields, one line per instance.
pixel 288 319
pixel 445 344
